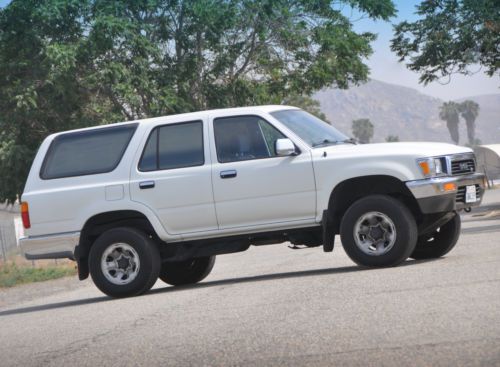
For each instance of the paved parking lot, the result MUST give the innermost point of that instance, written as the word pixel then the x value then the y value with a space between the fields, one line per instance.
pixel 276 306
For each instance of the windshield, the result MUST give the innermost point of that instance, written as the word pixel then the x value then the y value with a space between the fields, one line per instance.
pixel 312 130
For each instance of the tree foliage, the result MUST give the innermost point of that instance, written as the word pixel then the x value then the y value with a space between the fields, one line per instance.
pixel 363 130
pixel 72 63
pixel 449 37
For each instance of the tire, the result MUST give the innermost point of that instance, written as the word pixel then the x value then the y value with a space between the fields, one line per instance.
pixel 440 242
pixel 187 272
pixel 118 248
pixel 386 231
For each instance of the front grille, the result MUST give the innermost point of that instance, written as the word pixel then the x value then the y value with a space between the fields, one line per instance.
pixel 463 166
pixel 460 198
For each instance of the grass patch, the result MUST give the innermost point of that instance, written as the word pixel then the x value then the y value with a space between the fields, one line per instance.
pixel 12 274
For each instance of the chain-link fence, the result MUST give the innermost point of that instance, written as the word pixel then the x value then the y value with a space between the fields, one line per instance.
pixel 8 239
pixel 8 242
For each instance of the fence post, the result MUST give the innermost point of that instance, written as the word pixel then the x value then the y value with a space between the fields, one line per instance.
pixel 2 240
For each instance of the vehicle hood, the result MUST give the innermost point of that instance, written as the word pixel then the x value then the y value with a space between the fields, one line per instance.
pixel 413 149
pixel 391 159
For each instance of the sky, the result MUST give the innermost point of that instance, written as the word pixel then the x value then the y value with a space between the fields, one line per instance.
pixel 384 65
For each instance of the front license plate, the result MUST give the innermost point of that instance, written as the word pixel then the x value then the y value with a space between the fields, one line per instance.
pixel 470 194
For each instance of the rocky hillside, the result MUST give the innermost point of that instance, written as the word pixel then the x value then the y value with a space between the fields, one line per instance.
pixel 402 111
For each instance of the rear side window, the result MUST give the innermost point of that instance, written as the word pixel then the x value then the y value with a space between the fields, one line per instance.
pixel 86 152
pixel 174 146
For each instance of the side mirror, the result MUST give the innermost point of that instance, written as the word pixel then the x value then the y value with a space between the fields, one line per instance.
pixel 285 147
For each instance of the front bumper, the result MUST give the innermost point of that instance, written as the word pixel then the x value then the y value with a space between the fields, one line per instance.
pixel 55 246
pixel 433 198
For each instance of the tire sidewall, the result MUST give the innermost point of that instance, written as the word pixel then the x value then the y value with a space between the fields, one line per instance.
pixel 404 222
pixel 148 257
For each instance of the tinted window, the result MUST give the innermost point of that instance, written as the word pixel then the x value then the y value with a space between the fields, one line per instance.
pixel 174 146
pixel 244 137
pixel 149 157
pixel 86 152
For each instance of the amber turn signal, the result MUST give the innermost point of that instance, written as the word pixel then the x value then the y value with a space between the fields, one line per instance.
pixel 450 186
pixel 426 170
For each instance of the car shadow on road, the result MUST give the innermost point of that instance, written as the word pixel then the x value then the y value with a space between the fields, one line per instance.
pixel 275 276
pixel 214 283
pixel 52 306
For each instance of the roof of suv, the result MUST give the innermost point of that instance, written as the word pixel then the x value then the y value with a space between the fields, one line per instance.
pixel 190 115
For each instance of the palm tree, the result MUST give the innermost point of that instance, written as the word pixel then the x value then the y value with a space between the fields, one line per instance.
pixel 362 129
pixel 449 112
pixel 469 111
pixel 392 138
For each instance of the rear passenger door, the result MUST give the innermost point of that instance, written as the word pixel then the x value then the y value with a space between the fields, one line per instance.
pixel 173 177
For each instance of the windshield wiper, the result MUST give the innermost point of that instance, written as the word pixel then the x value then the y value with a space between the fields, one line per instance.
pixel 350 140
pixel 324 143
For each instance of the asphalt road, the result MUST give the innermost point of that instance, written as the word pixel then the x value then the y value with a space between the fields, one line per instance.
pixel 275 306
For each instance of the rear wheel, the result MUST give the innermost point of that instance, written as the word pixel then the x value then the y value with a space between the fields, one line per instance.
pixel 187 272
pixel 378 231
pixel 124 262
pixel 440 242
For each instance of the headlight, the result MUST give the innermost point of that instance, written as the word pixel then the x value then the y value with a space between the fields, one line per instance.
pixel 432 167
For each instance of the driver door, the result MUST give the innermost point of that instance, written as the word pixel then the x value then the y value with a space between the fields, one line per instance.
pixel 253 186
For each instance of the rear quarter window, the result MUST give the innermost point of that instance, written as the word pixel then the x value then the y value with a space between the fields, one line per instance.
pixel 86 152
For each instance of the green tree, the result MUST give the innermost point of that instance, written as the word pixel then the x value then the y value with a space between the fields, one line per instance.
pixel 362 129
pixel 449 112
pixel 392 138
pixel 449 36
pixel 469 111
pixel 72 63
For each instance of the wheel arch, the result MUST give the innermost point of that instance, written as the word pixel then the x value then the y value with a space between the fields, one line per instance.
pixel 101 222
pixel 348 191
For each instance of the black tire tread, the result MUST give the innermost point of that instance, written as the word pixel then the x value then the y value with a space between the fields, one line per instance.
pixel 444 241
pixel 175 273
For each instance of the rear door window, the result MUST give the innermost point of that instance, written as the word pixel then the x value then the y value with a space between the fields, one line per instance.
pixel 86 152
pixel 174 146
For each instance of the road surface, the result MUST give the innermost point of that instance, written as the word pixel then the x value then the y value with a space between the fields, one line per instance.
pixel 275 306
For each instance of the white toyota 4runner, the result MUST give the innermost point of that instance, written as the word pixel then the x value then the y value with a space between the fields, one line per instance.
pixel 161 197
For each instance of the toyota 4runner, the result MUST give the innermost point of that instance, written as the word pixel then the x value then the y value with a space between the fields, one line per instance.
pixel 134 201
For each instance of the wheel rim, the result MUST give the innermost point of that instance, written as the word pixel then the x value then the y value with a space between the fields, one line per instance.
pixel 120 263
pixel 374 233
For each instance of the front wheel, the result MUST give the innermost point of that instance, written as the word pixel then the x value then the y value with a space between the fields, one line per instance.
pixel 124 262
pixel 440 242
pixel 188 271
pixel 378 231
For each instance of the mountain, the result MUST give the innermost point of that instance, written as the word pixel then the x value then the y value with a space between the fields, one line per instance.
pixel 405 112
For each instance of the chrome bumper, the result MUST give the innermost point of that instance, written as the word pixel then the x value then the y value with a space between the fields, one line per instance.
pixel 432 196
pixel 55 246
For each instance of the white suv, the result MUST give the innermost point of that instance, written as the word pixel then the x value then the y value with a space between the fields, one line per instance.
pixel 135 201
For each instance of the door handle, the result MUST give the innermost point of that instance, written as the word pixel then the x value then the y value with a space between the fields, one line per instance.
pixel 146 185
pixel 228 174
